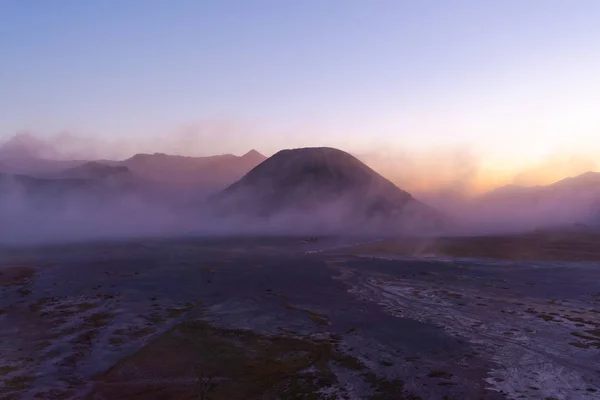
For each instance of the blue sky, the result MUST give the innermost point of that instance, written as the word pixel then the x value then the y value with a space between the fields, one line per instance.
pixel 513 79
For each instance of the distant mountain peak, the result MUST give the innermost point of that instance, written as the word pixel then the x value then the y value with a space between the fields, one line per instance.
pixel 253 153
pixel 254 156
pixel 320 184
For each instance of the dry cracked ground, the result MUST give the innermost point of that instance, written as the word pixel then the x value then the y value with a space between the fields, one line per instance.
pixel 283 318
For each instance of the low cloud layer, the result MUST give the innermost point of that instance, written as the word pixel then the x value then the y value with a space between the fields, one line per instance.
pixel 448 179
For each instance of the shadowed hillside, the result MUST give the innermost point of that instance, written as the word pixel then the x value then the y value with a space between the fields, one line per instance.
pixel 94 170
pixel 325 187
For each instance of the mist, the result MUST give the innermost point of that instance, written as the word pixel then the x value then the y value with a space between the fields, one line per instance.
pixel 41 220
pixel 447 182
pixel 560 189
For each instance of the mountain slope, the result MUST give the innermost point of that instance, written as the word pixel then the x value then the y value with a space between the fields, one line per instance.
pixel 94 170
pixel 570 200
pixel 572 187
pixel 326 188
pixel 213 172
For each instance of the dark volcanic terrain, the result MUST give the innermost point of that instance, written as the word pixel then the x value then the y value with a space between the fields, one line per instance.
pixel 325 190
pixel 287 318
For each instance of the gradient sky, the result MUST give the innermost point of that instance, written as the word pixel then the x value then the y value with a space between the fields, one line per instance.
pixel 514 80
